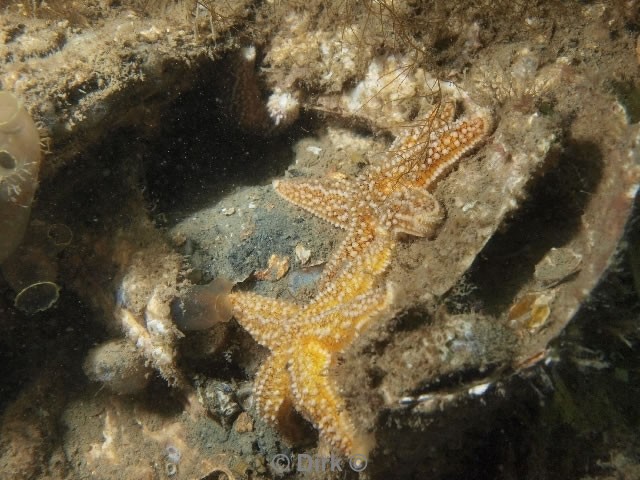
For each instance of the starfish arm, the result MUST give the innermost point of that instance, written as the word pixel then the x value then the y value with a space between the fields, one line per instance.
pixel 422 156
pixel 363 255
pixel 412 211
pixel 350 247
pixel 439 116
pixel 271 387
pixel 447 147
pixel 327 198
pixel 264 318
pixel 339 327
pixel 316 398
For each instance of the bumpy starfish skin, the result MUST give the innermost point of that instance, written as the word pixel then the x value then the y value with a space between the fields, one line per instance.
pixel 304 339
pixel 393 195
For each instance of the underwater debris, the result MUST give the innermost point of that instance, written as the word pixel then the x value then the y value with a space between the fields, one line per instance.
pixel 219 473
pixel 19 166
pixel 302 282
pixel 32 270
pixel 59 234
pixel 32 275
pixel 531 311
pixel 144 308
pixel 222 399
pixel 302 254
pixel 277 267
pixel 244 423
pixel 119 366
pixel 557 266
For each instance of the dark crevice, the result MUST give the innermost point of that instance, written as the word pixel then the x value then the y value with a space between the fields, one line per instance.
pixel 550 217
pixel 201 153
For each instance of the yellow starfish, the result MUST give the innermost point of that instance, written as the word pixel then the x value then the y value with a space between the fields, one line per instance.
pixel 304 339
pixel 393 195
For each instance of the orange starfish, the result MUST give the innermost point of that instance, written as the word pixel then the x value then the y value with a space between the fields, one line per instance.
pixel 393 195
pixel 384 201
pixel 304 339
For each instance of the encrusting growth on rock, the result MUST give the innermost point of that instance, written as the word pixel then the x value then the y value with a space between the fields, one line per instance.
pixel 382 202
